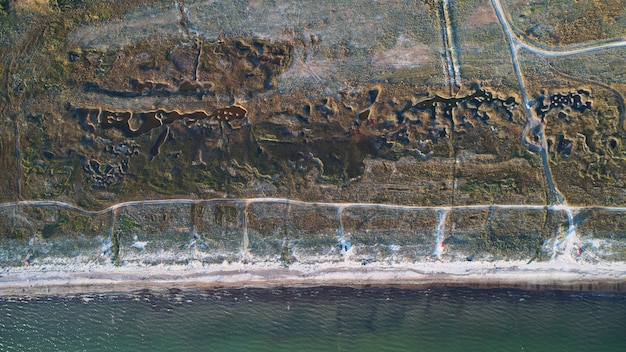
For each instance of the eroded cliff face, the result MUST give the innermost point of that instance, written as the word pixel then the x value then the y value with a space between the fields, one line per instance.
pixel 226 112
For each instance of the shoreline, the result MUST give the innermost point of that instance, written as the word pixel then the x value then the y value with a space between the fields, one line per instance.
pixel 100 279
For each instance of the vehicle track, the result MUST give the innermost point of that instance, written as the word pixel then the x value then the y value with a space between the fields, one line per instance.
pixel 535 124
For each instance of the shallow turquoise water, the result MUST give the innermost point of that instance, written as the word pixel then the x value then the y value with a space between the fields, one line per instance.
pixel 317 319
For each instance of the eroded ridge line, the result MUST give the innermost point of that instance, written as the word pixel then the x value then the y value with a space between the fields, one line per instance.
pixel 188 201
pixel 562 244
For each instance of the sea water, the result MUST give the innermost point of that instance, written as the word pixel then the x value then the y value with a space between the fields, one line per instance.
pixel 316 319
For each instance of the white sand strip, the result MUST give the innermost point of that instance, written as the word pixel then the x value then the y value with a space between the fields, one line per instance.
pixel 31 280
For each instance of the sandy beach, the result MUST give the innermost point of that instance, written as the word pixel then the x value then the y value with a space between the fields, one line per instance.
pixel 555 275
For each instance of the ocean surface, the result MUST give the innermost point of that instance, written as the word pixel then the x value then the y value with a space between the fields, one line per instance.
pixel 317 319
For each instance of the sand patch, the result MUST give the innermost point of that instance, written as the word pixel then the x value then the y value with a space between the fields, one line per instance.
pixel 482 15
pixel 405 54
